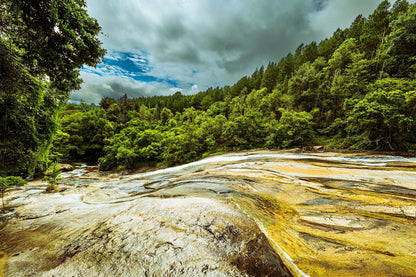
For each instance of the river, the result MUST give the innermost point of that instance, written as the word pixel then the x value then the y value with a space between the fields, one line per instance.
pixel 257 213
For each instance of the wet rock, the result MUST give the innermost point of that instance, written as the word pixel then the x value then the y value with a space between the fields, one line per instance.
pixel 258 259
pixel 153 237
pixel 318 148
pixel 3 258
pixel 66 167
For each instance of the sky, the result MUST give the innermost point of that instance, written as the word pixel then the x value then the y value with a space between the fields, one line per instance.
pixel 159 47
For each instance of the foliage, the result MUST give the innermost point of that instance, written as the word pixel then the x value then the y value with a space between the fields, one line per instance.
pixel 52 175
pixel 293 128
pixel 82 134
pixel 10 181
pixel 399 48
pixel 385 118
pixel 42 46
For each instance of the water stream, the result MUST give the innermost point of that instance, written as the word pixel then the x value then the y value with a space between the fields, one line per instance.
pixel 242 214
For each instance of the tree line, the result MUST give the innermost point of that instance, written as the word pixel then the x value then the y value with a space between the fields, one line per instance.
pixel 355 90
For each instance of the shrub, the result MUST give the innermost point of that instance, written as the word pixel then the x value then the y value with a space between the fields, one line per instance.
pixel 8 182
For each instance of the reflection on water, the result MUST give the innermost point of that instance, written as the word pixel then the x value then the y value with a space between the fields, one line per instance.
pixel 324 214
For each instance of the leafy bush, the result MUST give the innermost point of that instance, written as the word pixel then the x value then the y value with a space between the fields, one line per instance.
pixel 52 175
pixel 385 119
pixel 293 128
pixel 8 182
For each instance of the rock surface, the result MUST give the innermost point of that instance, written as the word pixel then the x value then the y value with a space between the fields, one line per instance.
pixel 245 214
pixel 66 167
pixel 153 237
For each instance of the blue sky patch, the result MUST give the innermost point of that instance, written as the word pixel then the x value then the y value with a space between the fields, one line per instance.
pixel 127 64
pixel 130 62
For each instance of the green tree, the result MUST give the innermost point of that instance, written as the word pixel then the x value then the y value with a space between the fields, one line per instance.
pixel 179 147
pixel 217 108
pixel 293 128
pixel 399 49
pixel 43 44
pixel 343 56
pixel 327 46
pixel 245 131
pixel 375 29
pixel 399 7
pixel 22 130
pixel 61 147
pixel 356 29
pixel 385 119
pixel 52 175
pixel 310 52
pixel 269 77
pixel 149 145
pixel 304 86
pixel 285 67
pixel 256 78
pixel 165 115
pixel 106 102
pixel 87 132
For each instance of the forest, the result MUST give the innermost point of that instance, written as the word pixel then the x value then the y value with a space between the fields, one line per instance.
pixel 355 90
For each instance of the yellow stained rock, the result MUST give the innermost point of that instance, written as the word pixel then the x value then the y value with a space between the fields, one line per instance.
pixel 3 258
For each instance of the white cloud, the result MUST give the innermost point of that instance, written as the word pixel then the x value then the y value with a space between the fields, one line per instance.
pixel 96 87
pixel 194 89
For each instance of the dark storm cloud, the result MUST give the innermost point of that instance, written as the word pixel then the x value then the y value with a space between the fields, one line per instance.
pixel 320 4
pixel 172 28
pixel 208 42
pixel 245 43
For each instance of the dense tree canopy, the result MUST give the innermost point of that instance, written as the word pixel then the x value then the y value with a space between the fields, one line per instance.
pixel 42 46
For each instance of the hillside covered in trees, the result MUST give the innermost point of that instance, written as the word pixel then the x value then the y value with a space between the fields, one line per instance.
pixel 354 90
